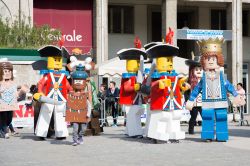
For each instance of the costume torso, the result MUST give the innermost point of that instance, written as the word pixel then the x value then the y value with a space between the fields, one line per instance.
pixel 46 85
pixel 127 92
pixel 214 92
pixel 166 99
pixel 8 97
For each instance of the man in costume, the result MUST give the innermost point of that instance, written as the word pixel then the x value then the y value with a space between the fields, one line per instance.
pixel 130 96
pixel 8 96
pixel 166 95
pixel 85 59
pixel 79 105
pixel 214 89
pixel 52 92
pixel 195 74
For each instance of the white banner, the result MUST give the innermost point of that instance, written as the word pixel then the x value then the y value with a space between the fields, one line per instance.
pixel 203 34
pixel 24 117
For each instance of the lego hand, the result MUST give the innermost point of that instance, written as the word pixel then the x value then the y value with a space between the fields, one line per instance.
pixel 137 87
pixel 164 83
pixel 37 96
pixel 161 84
pixel 238 101
pixel 56 86
pixel 189 105
pixel 167 82
pixel 183 84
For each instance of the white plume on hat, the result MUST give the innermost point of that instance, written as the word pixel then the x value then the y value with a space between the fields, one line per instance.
pixel 75 62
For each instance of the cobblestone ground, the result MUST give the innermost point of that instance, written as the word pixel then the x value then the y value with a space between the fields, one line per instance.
pixel 114 148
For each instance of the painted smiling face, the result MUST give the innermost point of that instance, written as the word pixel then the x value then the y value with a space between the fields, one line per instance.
pixel 198 72
pixel 211 63
pixel 79 84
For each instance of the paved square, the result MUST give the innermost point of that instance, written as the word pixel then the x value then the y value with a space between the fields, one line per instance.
pixel 114 148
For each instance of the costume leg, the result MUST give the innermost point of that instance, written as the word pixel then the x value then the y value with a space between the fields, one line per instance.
pixel 147 120
pixel 158 125
pixel 75 131
pixel 43 121
pixel 207 124
pixel 126 110
pixel 192 120
pixel 82 128
pixel 174 126
pixel 133 125
pixel 221 124
pixel 59 121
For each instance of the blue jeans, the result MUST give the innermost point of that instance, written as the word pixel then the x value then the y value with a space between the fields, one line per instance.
pixel 78 130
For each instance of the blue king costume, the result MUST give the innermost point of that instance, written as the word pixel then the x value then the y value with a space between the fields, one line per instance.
pixel 214 89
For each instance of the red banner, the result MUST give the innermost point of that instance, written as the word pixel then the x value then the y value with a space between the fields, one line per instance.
pixel 73 18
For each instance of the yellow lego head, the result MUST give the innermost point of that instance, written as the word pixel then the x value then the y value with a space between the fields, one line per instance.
pixel 55 62
pixel 132 66
pixel 164 64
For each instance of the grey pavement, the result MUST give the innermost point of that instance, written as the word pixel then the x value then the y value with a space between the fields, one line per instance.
pixel 114 148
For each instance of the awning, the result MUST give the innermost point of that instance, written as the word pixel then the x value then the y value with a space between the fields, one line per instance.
pixel 115 67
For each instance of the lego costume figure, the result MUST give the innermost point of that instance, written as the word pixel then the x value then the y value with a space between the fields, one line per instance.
pixel 52 92
pixel 166 95
pixel 85 59
pixel 78 103
pixel 130 96
pixel 195 74
pixel 214 89
pixel 8 96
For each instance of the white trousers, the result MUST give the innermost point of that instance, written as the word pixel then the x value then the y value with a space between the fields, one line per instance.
pixel 44 118
pixel 133 120
pixel 165 125
pixel 147 120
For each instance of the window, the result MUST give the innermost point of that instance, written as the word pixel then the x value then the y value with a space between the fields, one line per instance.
pixel 245 23
pixel 218 19
pixel 121 19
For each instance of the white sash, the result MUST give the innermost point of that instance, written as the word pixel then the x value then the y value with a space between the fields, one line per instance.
pixel 52 92
pixel 172 101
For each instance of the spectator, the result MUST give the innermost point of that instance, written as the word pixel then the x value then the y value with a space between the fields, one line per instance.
pixel 102 91
pixel 112 97
pixel 242 94
pixel 241 91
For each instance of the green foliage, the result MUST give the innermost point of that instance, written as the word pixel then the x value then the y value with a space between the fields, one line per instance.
pixel 23 35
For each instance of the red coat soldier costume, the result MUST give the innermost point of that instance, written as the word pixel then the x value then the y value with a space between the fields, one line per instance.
pixel 52 92
pixel 130 96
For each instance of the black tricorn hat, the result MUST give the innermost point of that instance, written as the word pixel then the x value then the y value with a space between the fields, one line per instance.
pixel 149 45
pixel 131 54
pixel 53 51
pixel 195 61
pixel 162 50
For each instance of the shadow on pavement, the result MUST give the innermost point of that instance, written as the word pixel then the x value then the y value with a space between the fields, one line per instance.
pixel 239 132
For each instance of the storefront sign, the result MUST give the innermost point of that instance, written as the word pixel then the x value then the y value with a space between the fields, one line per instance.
pixel 203 34
pixel 198 34
pixel 73 19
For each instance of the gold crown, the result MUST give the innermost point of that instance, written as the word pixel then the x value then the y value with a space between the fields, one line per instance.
pixel 211 45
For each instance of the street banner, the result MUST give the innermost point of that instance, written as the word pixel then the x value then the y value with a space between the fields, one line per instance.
pixel 24 117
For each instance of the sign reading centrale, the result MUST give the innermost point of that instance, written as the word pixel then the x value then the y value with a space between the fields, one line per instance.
pixel 71 37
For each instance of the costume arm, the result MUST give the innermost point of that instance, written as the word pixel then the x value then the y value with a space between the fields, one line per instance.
pixel 89 91
pixel 195 92
pixel 41 84
pixel 128 86
pixel 230 88
pixel 88 108
pixel 68 87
